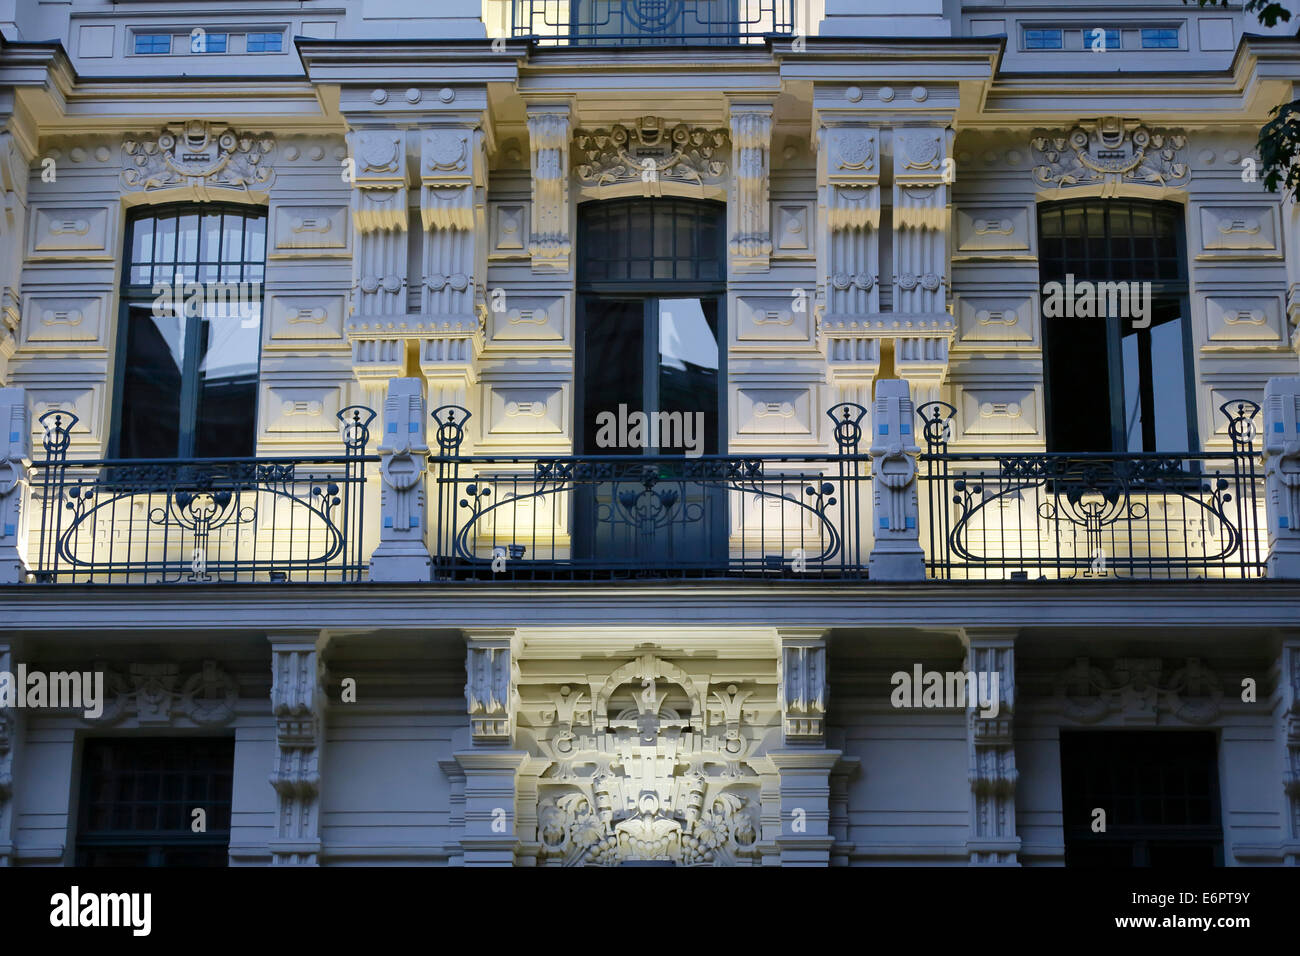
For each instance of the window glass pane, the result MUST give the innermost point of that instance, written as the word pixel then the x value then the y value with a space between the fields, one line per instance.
pixel 1160 38
pixel 151 387
pixel 1130 347
pixel 614 374
pixel 1042 39
pixel 688 373
pixel 187 247
pixel 231 332
pixel 1169 384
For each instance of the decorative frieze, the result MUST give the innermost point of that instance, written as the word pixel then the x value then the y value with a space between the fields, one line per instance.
pixel 639 159
pixel 162 694
pixel 1138 691
pixel 749 206
pixel 201 156
pixel 298 704
pixel 549 242
pixel 1110 153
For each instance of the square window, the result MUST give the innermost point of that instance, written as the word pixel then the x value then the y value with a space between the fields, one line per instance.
pixel 265 42
pixel 207 42
pixel 1042 39
pixel 149 43
pixel 1160 38
pixel 1092 34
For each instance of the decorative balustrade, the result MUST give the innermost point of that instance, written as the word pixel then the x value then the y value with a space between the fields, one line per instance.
pixel 134 521
pixel 616 516
pixel 651 22
pixel 1093 516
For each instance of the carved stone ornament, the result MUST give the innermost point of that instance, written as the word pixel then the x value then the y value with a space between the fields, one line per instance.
pixel 1139 691
pixel 622 154
pixel 198 154
pixel 646 769
pixel 157 693
pixel 1110 152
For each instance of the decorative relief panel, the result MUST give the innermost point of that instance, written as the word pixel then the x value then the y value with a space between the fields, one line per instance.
pixel 72 232
pixel 1239 229
pixel 525 411
pixel 988 413
pixel 748 206
pixel 649 764
pixel 306 409
pixel 638 159
pixel 294 319
pixel 549 243
pixel 199 155
pixel 1251 320
pixel 792 230
pixel 67 322
pixel 509 230
pixel 995 318
pixel 537 320
pixel 318 230
pixel 982 230
pixel 773 319
pixel 773 411
pixel 156 694
pixel 1138 691
pixel 1110 152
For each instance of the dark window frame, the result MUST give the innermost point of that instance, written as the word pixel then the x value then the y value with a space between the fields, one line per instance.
pixel 95 842
pixel 1138 836
pixel 138 294
pixel 1169 286
pixel 650 291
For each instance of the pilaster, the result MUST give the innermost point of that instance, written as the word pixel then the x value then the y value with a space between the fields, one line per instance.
pixel 749 208
pixel 1289 691
pixel 402 554
pixel 848 253
pixel 896 554
pixel 991 740
pixel 15 167
pixel 549 134
pixel 298 703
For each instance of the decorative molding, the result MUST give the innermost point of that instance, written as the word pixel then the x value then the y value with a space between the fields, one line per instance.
pixel 642 158
pixel 632 778
pixel 549 242
pixel 157 695
pixel 802 683
pixel 1138 691
pixel 402 554
pixel 298 703
pixel 749 206
pixel 1110 152
pixel 896 552
pixel 201 156
pixel 491 694
pixel 991 740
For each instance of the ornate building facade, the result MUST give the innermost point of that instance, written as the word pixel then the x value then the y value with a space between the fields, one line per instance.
pixel 594 433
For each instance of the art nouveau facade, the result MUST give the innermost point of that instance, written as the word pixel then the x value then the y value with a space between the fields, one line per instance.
pixel 399 264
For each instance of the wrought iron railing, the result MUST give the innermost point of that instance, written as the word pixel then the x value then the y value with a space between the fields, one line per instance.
pixel 613 516
pixel 1093 516
pixel 134 521
pixel 651 22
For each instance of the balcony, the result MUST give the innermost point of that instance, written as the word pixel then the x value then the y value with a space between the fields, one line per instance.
pixel 831 517
pixel 650 22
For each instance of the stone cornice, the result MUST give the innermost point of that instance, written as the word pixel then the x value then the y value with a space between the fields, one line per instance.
pixel 1244 606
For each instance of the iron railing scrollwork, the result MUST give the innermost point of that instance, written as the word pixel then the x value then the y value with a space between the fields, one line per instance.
pixel 201 520
pixel 582 517
pixel 1094 515
pixel 651 22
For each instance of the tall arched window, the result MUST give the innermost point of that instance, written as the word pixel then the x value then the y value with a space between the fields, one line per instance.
pixel 1117 345
pixel 189 335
